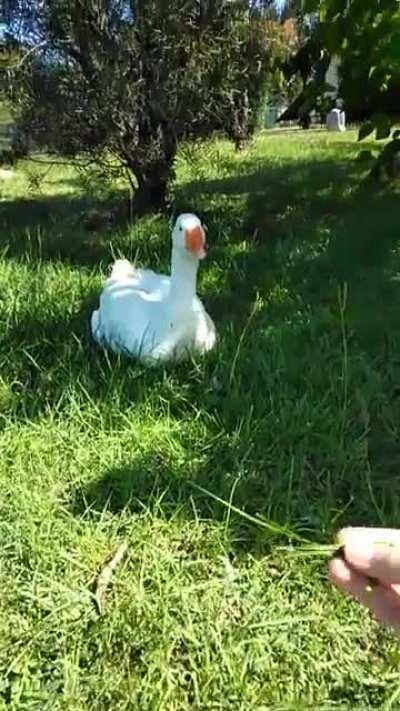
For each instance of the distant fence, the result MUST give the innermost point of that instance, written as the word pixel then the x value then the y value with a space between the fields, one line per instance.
pixel 272 113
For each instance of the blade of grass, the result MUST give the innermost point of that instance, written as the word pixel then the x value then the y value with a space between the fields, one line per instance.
pixel 270 526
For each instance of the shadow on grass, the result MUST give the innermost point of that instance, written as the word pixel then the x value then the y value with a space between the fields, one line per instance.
pixel 51 229
pixel 150 483
pixel 300 229
pixel 306 230
pixel 306 499
pixel 307 227
pixel 54 361
pixel 312 208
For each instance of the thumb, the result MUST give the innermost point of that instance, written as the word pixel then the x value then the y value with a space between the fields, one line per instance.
pixel 373 552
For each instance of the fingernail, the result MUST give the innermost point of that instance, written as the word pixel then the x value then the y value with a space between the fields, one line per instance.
pixel 345 534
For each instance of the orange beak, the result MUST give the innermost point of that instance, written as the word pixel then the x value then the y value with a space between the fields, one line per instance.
pixel 195 241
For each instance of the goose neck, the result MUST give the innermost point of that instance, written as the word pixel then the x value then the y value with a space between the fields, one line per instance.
pixel 183 277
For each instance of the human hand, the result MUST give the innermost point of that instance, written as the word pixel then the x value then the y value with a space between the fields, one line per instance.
pixel 369 570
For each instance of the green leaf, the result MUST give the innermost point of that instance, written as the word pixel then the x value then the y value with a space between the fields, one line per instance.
pixel 267 524
pixel 322 14
pixel 365 130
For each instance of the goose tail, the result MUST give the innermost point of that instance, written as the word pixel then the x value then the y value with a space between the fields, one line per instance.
pixel 122 269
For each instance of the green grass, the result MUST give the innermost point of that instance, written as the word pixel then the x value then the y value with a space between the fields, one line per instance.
pixel 294 417
pixel 5 123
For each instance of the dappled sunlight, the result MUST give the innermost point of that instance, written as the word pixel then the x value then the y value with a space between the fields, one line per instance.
pixel 297 229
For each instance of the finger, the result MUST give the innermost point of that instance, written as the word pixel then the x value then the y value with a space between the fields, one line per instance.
pixel 383 602
pixel 349 580
pixel 374 560
pixel 373 551
pixel 369 535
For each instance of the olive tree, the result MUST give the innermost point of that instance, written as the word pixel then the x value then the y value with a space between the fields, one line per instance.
pixel 131 79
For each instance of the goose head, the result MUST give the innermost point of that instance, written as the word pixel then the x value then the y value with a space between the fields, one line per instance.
pixel 188 236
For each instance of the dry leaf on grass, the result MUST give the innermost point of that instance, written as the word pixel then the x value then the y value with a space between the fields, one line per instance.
pixel 103 579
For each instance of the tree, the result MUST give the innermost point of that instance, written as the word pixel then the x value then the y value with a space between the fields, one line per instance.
pixel 130 79
pixel 304 64
pixel 310 63
pixel 283 39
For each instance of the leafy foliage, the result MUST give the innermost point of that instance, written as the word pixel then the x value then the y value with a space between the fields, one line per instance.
pixel 284 40
pixel 305 65
pixel 134 79
pixel 366 36
pixel 311 63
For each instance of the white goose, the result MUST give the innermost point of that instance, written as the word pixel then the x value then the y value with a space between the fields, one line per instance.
pixel 152 316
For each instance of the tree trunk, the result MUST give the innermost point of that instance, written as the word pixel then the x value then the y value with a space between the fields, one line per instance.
pixel 151 193
pixel 153 175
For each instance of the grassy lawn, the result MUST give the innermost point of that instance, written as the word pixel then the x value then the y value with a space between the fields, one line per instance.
pixel 294 417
